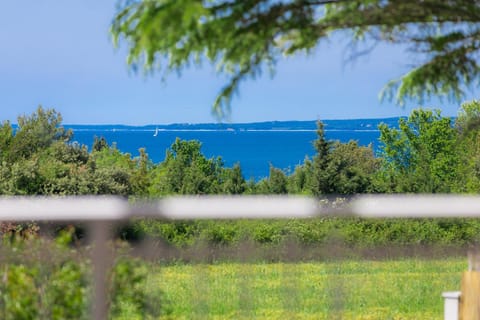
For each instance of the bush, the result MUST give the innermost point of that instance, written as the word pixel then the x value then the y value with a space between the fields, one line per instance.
pixel 317 231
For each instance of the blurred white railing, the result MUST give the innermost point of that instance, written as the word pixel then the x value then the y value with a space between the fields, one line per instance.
pixel 102 211
pixel 235 207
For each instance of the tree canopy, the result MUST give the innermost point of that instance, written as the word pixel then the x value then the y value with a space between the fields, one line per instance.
pixel 243 37
pixel 422 155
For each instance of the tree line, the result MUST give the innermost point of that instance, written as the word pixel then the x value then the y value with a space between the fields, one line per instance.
pixel 425 153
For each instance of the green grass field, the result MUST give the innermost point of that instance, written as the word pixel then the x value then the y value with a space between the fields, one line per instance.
pixel 45 280
pixel 400 289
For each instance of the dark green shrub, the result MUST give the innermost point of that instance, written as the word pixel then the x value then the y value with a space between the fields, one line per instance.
pixel 180 233
pixel 225 233
pixel 355 232
pixel 267 233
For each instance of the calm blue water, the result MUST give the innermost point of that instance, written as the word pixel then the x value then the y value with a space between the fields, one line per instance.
pixel 254 150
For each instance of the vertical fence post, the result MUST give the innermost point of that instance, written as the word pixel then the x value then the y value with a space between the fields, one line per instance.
pixel 100 234
pixel 451 305
pixel 470 297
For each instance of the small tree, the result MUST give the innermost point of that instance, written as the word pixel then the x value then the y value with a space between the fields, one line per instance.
pixel 37 131
pixel 341 168
pixel 186 170
pixel 277 181
pixel 99 143
pixel 321 183
pixel 234 182
pixel 300 181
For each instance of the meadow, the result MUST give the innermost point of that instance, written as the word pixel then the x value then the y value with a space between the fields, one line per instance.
pixel 52 280
pixel 353 289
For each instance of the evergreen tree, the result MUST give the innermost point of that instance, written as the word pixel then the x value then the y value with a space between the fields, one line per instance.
pixel 234 182
pixel 321 184
pixel 341 168
pixel 277 181
pixel 99 143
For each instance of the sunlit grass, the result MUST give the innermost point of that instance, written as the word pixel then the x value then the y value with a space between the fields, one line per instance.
pixel 401 289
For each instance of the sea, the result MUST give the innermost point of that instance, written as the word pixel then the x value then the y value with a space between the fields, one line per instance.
pixel 255 146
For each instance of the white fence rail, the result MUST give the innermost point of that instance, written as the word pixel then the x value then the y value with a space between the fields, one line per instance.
pixel 101 211
pixel 235 207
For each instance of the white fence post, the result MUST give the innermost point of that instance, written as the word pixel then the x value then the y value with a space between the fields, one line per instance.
pixel 451 305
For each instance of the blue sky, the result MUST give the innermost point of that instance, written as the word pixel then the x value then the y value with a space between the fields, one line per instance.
pixel 59 54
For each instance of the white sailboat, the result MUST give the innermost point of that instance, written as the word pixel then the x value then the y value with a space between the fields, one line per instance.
pixel 156 132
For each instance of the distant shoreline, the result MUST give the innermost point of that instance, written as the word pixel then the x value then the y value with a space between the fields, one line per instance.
pixel 294 125
pixel 272 123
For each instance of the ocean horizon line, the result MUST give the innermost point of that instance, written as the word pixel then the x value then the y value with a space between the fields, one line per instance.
pixel 231 123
